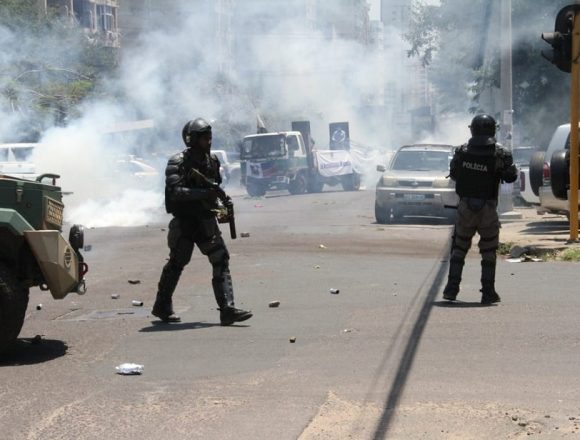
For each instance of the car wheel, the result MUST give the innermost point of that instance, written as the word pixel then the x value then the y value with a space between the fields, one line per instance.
pixel 255 189
pixel 382 215
pixel 350 182
pixel 297 185
pixel 13 303
pixel 537 171
pixel 560 174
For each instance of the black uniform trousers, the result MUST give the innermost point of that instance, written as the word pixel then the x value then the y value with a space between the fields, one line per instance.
pixel 184 234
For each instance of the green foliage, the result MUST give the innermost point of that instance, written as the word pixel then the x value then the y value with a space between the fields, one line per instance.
pixel 461 42
pixel 572 254
pixel 51 69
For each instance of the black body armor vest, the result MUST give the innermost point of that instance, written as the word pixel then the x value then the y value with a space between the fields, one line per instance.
pixel 476 174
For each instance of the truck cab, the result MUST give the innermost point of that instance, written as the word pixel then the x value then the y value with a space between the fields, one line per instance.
pixel 275 161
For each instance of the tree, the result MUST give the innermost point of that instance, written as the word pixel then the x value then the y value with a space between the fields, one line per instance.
pixel 52 68
pixel 460 41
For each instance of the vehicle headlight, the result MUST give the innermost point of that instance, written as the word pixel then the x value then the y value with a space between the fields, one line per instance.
pixel 442 183
pixel 387 181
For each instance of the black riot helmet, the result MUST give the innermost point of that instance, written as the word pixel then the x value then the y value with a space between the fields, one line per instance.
pixel 193 129
pixel 483 125
pixel 483 129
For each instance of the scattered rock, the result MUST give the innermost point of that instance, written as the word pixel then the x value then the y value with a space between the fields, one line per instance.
pixel 334 291
pixel 115 296
pixel 316 266
pixel 163 229
pixel 137 303
pixel 523 424
pixel 321 246
pixel 514 418
pixel 292 339
pixel 134 281
pixel 572 418
pixel 273 304
pixel 39 307
pixel 245 234
pixel 347 330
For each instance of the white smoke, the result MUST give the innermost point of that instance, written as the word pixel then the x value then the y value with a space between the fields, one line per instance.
pixel 284 70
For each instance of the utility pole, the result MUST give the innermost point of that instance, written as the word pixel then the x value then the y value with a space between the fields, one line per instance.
pixel 506 204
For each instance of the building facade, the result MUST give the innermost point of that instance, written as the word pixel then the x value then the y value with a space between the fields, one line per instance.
pixel 97 17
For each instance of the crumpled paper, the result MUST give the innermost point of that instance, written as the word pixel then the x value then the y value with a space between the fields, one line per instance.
pixel 129 369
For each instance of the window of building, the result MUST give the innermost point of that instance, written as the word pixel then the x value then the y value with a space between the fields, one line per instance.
pixel 106 18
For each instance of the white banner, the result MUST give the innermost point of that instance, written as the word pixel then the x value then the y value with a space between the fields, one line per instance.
pixel 333 162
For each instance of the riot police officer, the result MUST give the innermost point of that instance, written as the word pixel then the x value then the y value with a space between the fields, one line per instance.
pixel 477 169
pixel 192 204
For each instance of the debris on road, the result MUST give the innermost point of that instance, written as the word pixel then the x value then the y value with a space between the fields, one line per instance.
pixel 274 304
pixel 245 234
pixel 39 307
pixel 321 246
pixel 347 330
pixel 258 205
pixel 134 281
pixel 87 248
pixel 115 296
pixel 524 259
pixel 129 369
pixel 334 291
pixel 293 339
pixel 137 303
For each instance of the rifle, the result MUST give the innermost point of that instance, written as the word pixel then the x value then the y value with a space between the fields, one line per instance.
pixel 225 199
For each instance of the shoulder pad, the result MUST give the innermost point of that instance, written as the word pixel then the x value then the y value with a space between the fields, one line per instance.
pixel 175 159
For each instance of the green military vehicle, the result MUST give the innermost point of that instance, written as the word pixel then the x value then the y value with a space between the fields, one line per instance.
pixel 33 251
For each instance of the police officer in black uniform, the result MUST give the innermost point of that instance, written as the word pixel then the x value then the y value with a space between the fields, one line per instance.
pixel 477 168
pixel 193 204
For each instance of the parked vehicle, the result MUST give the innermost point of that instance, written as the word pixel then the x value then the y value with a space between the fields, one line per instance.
pixel 16 160
pixel 33 251
pixel 230 170
pixel 549 173
pixel 522 187
pixel 288 160
pixel 416 182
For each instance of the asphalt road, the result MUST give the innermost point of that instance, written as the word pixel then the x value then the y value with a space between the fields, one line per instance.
pixel 383 358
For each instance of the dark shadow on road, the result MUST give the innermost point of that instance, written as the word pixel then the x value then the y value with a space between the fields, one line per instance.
pixel 32 351
pixel 418 221
pixel 555 227
pixel 159 326
pixel 461 304
pixel 408 356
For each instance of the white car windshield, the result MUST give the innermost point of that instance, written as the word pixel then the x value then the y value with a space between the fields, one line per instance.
pixel 421 161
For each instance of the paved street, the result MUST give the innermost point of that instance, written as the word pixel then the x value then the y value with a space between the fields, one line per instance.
pixel 383 358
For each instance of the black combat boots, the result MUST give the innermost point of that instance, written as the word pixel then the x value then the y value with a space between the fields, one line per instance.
pixel 488 293
pixel 454 279
pixel 164 311
pixel 229 315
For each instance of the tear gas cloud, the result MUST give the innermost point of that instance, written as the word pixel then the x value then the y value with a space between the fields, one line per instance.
pixel 283 71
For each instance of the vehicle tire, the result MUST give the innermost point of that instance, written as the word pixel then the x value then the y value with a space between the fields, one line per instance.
pixel 350 182
pixel 76 237
pixel 13 303
pixel 560 174
pixel 255 189
pixel 297 185
pixel 536 173
pixel 315 185
pixel 382 215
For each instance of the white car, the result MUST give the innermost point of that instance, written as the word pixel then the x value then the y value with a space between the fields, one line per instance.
pixel 16 160
pixel 416 183
pixel 229 170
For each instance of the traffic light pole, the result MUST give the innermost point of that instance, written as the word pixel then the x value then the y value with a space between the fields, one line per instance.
pixel 574 121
